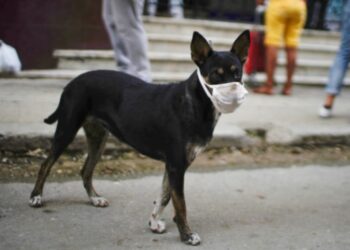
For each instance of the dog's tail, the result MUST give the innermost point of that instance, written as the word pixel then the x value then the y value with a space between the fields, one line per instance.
pixel 52 118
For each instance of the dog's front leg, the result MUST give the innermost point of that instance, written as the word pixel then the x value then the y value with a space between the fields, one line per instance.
pixel 155 223
pixel 176 179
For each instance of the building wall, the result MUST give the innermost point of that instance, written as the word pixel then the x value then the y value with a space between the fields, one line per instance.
pixel 37 27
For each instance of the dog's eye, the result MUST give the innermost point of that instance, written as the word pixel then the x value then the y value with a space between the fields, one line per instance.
pixel 220 71
pixel 215 77
pixel 233 68
pixel 235 71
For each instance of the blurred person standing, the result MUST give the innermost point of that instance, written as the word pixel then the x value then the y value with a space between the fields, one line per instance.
pixel 333 17
pixel 339 67
pixel 123 22
pixel 316 10
pixel 284 21
pixel 175 8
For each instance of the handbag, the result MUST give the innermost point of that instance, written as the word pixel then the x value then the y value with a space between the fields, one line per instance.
pixel 256 53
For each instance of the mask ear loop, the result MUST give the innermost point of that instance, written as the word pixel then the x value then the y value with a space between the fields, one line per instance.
pixel 205 88
pixel 203 83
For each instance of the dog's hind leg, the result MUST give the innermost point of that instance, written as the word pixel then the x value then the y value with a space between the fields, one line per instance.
pixel 63 137
pixel 96 136
pixel 71 116
pixel 155 223
pixel 36 195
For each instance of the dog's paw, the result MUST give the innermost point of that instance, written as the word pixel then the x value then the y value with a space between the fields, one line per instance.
pixel 36 201
pixel 157 226
pixel 193 239
pixel 98 201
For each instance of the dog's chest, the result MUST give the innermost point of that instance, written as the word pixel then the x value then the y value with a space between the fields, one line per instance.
pixel 216 117
pixel 192 150
pixel 195 148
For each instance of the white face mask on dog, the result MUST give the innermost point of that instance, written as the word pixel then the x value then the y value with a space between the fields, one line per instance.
pixel 226 97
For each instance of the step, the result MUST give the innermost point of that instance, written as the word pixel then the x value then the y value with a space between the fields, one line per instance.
pixel 175 62
pixel 59 77
pixel 280 79
pixel 181 44
pixel 85 59
pixel 186 27
pixel 225 29
pixel 58 74
pixel 99 59
pixel 307 67
pixel 39 76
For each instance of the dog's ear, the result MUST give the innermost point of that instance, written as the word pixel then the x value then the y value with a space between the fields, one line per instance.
pixel 200 48
pixel 241 45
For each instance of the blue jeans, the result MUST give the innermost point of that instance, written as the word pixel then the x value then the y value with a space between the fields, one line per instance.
pixel 341 62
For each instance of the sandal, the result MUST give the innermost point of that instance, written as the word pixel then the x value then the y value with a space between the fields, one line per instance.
pixel 265 90
pixel 287 91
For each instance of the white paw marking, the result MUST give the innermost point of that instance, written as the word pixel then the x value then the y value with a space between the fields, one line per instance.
pixel 99 201
pixel 157 226
pixel 35 201
pixel 193 240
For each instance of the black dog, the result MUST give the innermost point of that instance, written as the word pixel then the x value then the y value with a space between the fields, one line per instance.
pixel 170 122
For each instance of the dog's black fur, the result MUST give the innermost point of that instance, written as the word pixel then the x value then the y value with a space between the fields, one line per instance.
pixel 164 122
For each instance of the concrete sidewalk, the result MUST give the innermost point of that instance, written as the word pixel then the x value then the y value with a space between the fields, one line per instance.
pixel 280 208
pixel 278 119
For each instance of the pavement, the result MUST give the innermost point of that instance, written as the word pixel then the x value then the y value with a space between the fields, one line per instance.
pixel 275 119
pixel 278 208
pixel 274 208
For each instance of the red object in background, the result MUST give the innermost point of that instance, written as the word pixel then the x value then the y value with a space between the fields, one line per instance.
pixel 256 54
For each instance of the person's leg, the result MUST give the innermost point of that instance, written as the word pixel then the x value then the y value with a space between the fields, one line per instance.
pixel 340 65
pixel 329 101
pixel 294 24
pixel 323 8
pixel 310 13
pixel 271 63
pixel 119 48
pixel 291 64
pixel 176 8
pixel 274 30
pixel 335 80
pixel 128 16
pixel 338 70
pixel 152 6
